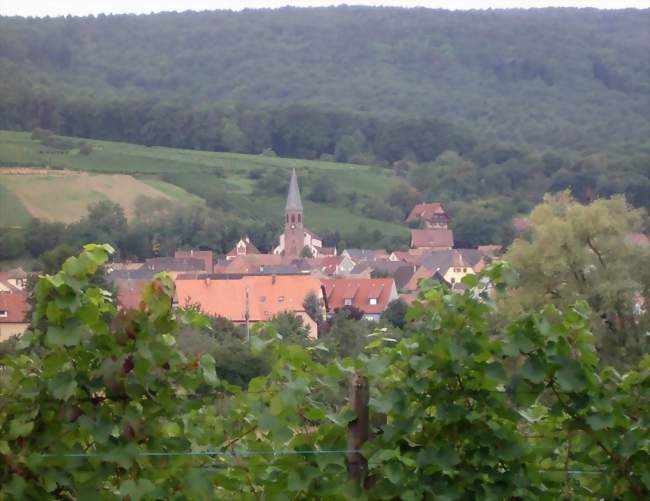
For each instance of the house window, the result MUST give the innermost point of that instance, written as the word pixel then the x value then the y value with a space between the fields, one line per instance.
pixel 293 218
pixel 347 302
pixel 456 270
pixel 299 218
pixel 453 280
pixel 464 270
pixel 281 299
pixel 372 301
pixel 262 299
pixel 3 313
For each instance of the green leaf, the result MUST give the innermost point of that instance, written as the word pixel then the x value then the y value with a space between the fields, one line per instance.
pixel 600 421
pixel 208 369
pixel 570 376
pixel 62 386
pixel 137 489
pixel 20 428
pixel 533 369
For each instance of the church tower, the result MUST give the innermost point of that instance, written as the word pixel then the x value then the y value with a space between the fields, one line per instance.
pixel 294 231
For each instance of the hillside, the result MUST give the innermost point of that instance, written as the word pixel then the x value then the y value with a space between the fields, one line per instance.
pixel 228 182
pixel 567 78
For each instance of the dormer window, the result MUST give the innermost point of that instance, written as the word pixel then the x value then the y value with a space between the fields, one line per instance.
pixel 372 301
pixel 347 301
pixel 280 299
pixel 4 314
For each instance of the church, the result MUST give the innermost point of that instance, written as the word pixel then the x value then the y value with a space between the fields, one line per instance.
pixel 296 240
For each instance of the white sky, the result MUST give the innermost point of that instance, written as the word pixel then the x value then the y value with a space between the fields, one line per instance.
pixel 86 7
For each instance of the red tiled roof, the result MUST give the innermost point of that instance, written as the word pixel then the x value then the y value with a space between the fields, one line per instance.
pixel 326 264
pixel 359 291
pixel 129 292
pixel 434 238
pixel 250 248
pixel 15 304
pixel 267 295
pixel 206 256
pixel 407 256
pixel 638 239
pixel 249 264
pixel 428 212
pixel 521 224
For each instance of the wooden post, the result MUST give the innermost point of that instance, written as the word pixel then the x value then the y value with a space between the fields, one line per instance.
pixel 358 429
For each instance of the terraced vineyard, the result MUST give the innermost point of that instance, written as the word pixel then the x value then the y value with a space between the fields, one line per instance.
pixel 58 184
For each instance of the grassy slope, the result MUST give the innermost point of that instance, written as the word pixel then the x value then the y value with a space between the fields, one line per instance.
pixel 146 163
pixel 12 211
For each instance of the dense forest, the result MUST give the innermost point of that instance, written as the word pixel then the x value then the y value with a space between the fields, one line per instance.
pixel 484 111
pixel 565 78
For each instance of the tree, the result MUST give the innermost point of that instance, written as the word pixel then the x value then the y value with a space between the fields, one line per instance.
pixel 290 326
pixel 323 190
pixel 395 313
pixel 306 252
pixel 313 307
pixel 582 252
pixel 51 261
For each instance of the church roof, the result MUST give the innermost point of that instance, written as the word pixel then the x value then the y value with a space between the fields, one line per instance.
pixel 293 198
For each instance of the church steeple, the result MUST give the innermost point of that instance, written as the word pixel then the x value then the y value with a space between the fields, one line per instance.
pixel 294 233
pixel 294 203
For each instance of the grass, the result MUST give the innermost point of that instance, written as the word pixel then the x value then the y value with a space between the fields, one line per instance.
pixel 189 176
pixel 65 195
pixel 12 211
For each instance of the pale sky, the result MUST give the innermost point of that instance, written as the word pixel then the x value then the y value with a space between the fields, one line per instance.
pixel 85 7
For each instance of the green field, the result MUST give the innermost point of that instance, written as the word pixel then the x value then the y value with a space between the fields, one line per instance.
pixel 65 200
pixel 12 211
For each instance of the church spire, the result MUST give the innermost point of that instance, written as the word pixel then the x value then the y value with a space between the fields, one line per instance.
pixel 294 203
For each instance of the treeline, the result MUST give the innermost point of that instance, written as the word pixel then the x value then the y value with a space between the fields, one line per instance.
pixel 158 229
pixel 297 131
pixel 566 78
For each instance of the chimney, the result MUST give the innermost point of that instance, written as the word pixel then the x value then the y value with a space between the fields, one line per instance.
pixel 207 281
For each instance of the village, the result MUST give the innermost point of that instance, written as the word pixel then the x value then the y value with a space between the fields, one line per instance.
pixel 247 286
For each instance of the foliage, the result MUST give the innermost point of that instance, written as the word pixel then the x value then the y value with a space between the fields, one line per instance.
pixel 102 404
pixel 97 382
pixel 313 307
pixel 583 252
pixel 492 70
pixel 395 313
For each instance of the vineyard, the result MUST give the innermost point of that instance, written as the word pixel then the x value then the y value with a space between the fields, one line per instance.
pixel 101 403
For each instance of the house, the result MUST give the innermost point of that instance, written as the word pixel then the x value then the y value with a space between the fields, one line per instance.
pixel 521 225
pixel 129 291
pixel 205 255
pixel 639 239
pixel 490 251
pixel 431 215
pixel 411 287
pixel 17 278
pixel 359 255
pixel 432 239
pixel 296 239
pixel 14 308
pixel 411 256
pixel 454 264
pixel 174 265
pixel 326 266
pixel 242 248
pixel 399 271
pixel 252 298
pixel 249 264
pixel 371 296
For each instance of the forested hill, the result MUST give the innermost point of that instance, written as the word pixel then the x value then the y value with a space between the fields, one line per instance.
pixel 564 78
